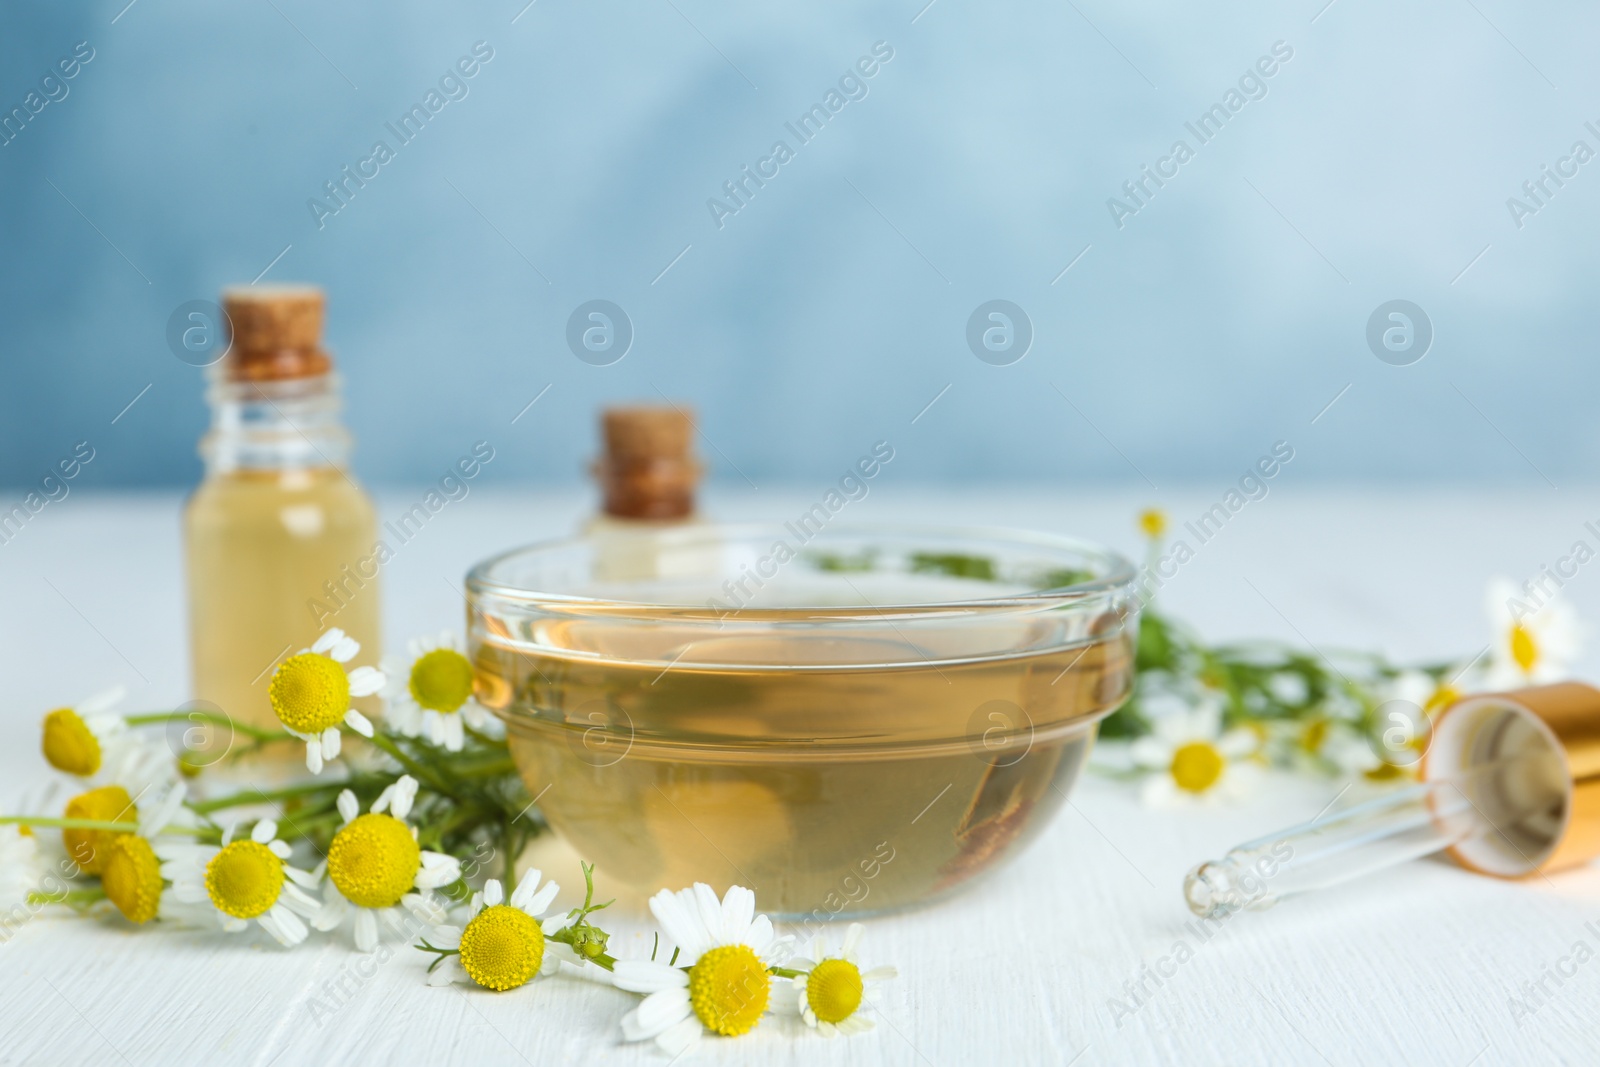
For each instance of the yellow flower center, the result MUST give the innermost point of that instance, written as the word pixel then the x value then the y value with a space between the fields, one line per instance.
pixel 1314 734
pixel 374 860
pixel 1197 766
pixel 69 744
pixel 502 947
pixel 1523 648
pixel 131 877
pixel 109 803
pixel 1153 522
pixel 728 989
pixel 244 879
pixel 310 693
pixel 1442 698
pixel 833 989
pixel 441 680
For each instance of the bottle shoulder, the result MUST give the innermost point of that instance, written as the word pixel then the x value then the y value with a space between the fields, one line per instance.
pixel 246 497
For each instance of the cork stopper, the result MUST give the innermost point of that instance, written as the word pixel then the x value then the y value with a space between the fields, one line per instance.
pixel 648 470
pixel 276 333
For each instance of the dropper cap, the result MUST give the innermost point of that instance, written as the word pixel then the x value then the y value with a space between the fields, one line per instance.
pixel 649 470
pixel 276 333
pixel 1551 733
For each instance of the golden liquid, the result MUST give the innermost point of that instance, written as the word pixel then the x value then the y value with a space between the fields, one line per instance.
pixel 260 545
pixel 827 790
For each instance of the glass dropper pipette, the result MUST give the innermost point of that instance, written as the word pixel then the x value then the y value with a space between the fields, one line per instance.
pixel 1511 784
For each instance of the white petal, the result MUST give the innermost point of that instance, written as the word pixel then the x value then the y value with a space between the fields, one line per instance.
pixel 280 849
pixel 647 976
pixel 446 937
pixel 681 1038
pixel 541 900
pixel 330 637
pixel 358 722
pixel 364 681
pixel 879 974
pixel 345 650
pixel 455 736
pixel 366 930
pixel 405 795
pixel 1159 791
pixel 656 1014
pixel 314 757
pixel 232 925
pixel 227 835
pixel 264 831
pixel 759 936
pixel 1237 743
pixel 437 870
pixel 738 908
pixel 334 908
pixel 527 886
pixel 292 926
pixel 349 806
pixel 104 700
pixel 704 900
pixel 299 901
pixel 493 894
pixel 852 938
pixel 424 907
pixel 1149 752
pixel 680 921
pixel 330 743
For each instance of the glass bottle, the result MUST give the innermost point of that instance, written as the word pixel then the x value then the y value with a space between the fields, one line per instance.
pixel 279 539
pixel 647 474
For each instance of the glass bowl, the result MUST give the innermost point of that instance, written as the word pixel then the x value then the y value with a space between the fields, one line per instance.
pixel 846 720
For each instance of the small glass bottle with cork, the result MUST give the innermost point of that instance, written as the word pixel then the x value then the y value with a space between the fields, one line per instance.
pixel 648 475
pixel 278 537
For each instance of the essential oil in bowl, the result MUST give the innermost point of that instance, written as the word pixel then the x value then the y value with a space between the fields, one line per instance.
pixel 278 537
pixel 836 764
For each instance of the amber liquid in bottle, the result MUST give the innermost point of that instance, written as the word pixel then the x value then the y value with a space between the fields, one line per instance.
pixel 275 534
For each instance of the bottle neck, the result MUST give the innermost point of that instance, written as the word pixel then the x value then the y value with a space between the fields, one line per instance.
pixel 649 489
pixel 291 424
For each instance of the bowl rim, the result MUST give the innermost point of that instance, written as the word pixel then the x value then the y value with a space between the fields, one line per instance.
pixel 1119 573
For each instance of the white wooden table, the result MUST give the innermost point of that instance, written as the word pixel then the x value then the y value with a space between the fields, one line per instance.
pixel 1419 966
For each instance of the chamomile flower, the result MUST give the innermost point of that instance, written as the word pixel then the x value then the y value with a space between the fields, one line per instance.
pixel 720 983
pixel 1153 523
pixel 429 693
pixel 375 866
pixel 90 742
pixel 108 803
pixel 132 874
pixel 1191 758
pixel 249 878
pixel 1422 690
pixel 1534 642
pixel 505 942
pixel 829 995
pixel 311 691
pixel 75 739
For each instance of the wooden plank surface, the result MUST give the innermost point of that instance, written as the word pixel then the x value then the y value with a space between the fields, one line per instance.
pixel 1418 966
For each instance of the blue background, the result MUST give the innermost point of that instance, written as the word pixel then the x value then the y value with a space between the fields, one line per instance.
pixel 829 311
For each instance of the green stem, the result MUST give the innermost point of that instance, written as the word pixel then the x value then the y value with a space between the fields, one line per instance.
pixel 256 796
pixel 786 972
pixel 75 896
pixel 213 717
pixel 422 773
